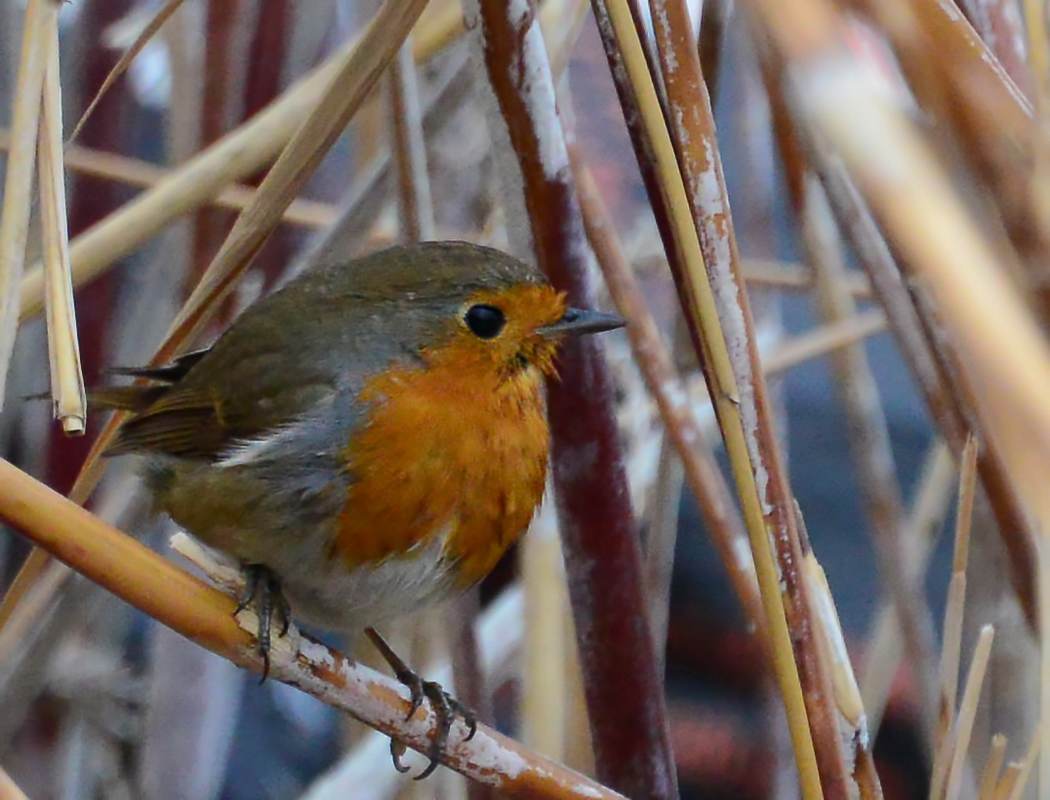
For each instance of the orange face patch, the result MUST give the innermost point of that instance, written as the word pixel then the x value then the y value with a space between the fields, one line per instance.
pixel 457 447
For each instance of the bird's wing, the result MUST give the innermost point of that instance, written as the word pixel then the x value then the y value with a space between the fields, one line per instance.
pixel 210 410
pixel 246 387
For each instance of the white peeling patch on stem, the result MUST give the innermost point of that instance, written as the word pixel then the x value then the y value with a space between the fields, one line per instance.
pixel 537 90
pixel 533 82
pixel 707 196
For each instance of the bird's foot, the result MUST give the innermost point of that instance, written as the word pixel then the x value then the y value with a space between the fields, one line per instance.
pixel 262 588
pixel 446 707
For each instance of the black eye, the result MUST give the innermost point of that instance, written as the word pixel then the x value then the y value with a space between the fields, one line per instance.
pixel 485 321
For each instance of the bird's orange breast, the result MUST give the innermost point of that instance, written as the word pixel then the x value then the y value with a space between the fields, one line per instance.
pixel 454 449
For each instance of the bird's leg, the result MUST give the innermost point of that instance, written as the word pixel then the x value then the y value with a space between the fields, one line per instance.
pixel 446 707
pixel 262 582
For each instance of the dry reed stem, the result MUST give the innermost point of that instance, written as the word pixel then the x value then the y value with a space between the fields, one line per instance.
pixel 951 649
pixel 968 711
pixel 142 174
pixel 725 392
pixel 9 789
pixel 661 539
pixel 544 689
pixel 155 24
pixel 1039 68
pixel 406 114
pixel 834 652
pixel 240 153
pixel 1020 779
pixel 783 275
pixel 625 697
pixel 69 400
pixel 992 768
pixel 954 610
pixel 440 26
pixel 160 589
pixel 304 152
pixel 884 649
pixel 964 508
pixel 40 16
pixel 1000 25
pixel 715 294
pixel 1006 357
pixel 965 89
pixel 822 340
pixel 1005 789
pixel 681 425
pixel 562 21
pixel 869 440
pixel 1042 731
pixel 925 353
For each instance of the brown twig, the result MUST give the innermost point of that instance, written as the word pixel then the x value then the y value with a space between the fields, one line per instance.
pixel 417 212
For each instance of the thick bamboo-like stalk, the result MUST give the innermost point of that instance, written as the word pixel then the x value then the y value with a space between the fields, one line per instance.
pixel 624 692
pixel 69 400
pixel 40 17
pixel 155 586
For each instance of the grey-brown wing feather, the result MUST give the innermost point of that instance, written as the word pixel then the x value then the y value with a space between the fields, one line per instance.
pixel 243 388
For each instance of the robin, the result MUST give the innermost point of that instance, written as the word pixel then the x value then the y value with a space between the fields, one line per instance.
pixel 368 439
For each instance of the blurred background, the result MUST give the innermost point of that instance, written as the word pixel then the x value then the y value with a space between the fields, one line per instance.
pixel 100 701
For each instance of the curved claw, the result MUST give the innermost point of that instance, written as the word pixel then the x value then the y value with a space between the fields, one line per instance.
pixel 397 749
pixel 260 582
pixel 446 707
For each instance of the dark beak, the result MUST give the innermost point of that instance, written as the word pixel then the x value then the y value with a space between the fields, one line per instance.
pixel 577 321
